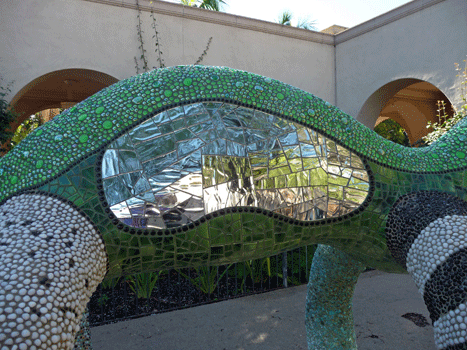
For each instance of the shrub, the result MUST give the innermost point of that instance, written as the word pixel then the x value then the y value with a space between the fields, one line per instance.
pixel 444 124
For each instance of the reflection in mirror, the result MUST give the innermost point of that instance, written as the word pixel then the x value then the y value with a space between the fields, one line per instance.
pixel 193 160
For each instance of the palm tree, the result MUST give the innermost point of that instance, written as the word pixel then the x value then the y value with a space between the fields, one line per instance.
pixel 213 5
pixel 286 19
pixel 305 23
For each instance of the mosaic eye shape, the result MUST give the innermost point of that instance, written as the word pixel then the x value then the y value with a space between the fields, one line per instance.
pixel 193 160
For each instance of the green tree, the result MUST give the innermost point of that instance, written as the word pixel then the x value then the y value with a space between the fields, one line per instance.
pixel 391 130
pixel 28 126
pixel 214 5
pixel 285 18
pixel 7 116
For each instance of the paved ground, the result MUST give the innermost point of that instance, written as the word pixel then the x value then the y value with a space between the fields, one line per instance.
pixel 275 320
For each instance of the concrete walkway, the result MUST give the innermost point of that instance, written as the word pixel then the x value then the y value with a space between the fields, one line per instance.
pixel 276 320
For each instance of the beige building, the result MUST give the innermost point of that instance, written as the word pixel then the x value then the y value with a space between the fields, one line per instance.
pixel 397 65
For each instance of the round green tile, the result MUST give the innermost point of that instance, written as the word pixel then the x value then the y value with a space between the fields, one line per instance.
pixel 107 124
pixel 83 138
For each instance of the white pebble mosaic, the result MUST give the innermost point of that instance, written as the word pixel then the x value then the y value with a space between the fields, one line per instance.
pixel 51 261
pixel 434 245
pixel 451 328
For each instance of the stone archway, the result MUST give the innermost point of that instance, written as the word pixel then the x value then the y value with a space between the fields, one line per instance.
pixel 58 89
pixel 410 102
pixel 412 118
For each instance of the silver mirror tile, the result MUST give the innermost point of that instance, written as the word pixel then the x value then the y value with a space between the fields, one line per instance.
pixel 128 161
pixel 110 163
pixel 189 161
pixel 145 131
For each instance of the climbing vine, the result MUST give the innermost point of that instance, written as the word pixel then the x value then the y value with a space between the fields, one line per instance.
pixel 157 48
pixel 200 58
pixel 140 38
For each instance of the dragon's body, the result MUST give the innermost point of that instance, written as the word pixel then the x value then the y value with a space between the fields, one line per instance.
pixel 192 165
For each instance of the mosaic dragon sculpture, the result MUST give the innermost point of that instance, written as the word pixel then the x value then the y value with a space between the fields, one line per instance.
pixel 186 166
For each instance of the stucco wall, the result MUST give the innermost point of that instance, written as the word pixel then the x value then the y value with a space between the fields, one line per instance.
pixel 420 40
pixel 424 45
pixel 37 37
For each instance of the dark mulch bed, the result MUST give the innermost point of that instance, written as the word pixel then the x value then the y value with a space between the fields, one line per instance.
pixel 172 291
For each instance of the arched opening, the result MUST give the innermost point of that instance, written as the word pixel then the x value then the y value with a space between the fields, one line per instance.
pixel 412 103
pixel 58 89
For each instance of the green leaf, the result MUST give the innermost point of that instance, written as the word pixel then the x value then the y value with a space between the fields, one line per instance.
pixel 143 283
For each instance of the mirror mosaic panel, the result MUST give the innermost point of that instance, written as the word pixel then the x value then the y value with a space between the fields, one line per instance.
pixel 193 160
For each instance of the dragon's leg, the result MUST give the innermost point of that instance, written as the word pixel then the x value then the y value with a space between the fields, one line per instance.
pixel 328 317
pixel 51 261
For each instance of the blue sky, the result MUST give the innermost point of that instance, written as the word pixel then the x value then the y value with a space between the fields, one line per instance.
pixel 347 13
